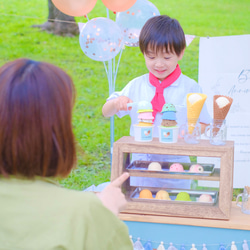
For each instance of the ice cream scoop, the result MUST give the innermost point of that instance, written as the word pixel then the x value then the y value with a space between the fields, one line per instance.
pixel 176 167
pixel 154 166
pixel 205 198
pixel 142 106
pixel 145 124
pixel 222 101
pixel 169 115
pixel 183 196
pixel 145 116
pixel 145 194
pixel 168 107
pixel 162 195
pixel 194 98
pixel 196 168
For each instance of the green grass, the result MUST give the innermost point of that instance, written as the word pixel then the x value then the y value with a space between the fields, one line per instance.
pixel 18 39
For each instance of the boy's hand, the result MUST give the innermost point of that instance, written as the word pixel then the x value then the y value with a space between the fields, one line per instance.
pixel 112 196
pixel 111 107
pixel 121 103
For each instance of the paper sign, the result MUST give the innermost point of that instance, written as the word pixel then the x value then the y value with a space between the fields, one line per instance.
pixel 224 68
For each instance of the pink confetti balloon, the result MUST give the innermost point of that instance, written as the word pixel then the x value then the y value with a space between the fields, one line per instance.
pixel 101 39
pixel 132 20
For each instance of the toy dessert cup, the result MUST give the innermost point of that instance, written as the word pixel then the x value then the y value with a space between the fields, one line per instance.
pixel 168 134
pixel 191 131
pixel 216 132
pixel 143 133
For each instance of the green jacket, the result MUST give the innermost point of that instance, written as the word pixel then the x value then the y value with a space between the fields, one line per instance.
pixel 39 214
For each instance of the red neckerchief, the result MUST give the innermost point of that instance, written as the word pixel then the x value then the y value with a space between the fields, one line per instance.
pixel 158 100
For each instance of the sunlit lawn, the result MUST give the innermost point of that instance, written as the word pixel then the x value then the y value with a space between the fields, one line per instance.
pixel 92 131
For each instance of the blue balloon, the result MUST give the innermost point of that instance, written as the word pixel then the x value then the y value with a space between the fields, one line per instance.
pixel 101 39
pixel 132 20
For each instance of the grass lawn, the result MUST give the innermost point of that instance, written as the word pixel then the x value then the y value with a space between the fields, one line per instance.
pixel 92 130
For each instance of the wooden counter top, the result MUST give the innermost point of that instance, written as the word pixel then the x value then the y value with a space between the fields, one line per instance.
pixel 238 220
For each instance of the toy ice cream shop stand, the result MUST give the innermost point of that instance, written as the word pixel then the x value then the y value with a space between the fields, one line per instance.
pixel 195 218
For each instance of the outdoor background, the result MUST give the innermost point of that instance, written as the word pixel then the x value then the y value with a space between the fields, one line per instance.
pixel 92 130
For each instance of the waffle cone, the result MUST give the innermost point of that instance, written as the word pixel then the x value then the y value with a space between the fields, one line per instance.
pixel 194 110
pixel 221 113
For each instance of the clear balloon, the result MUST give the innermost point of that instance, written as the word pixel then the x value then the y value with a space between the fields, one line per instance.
pixel 101 39
pixel 118 5
pixel 75 7
pixel 132 20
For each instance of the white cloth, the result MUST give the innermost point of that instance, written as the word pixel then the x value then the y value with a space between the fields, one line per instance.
pixel 140 89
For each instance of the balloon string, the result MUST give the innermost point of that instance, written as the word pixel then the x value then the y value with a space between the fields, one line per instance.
pixel 107 12
pixel 105 68
pixel 116 71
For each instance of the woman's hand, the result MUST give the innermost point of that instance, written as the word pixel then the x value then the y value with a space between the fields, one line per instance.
pixel 112 196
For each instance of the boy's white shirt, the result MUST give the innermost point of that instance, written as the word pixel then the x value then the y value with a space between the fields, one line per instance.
pixel 140 89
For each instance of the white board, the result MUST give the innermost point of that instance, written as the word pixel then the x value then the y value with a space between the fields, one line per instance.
pixel 224 68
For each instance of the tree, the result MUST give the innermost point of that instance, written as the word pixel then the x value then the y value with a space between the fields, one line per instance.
pixel 59 23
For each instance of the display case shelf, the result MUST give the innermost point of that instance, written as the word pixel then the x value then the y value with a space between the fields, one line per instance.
pixel 221 210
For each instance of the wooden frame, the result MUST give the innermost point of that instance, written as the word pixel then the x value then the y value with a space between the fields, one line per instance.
pixel 126 145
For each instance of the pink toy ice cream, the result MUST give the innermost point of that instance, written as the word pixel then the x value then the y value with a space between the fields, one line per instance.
pixel 205 198
pixel 145 116
pixel 143 131
pixel 176 167
pixel 196 168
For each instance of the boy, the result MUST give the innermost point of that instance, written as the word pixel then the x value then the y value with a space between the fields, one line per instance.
pixel 162 42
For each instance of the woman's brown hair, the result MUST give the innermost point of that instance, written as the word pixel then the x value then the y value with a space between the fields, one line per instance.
pixel 36 137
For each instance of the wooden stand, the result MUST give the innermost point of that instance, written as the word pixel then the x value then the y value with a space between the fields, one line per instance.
pixel 221 210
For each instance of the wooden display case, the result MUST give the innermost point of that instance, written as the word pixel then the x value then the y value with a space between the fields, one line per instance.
pixel 220 210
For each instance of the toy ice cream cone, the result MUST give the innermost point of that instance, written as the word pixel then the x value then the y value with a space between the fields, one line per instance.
pixel 195 102
pixel 221 106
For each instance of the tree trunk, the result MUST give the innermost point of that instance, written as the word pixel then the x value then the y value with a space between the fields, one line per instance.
pixel 59 23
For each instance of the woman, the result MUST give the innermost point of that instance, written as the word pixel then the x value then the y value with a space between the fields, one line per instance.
pixel 37 145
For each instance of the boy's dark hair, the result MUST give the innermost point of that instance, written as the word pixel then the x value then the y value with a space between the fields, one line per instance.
pixel 36 138
pixel 161 32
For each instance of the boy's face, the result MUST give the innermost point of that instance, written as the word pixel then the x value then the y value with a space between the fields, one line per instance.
pixel 161 64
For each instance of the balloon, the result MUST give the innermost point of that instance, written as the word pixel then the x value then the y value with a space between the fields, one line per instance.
pixel 101 39
pixel 132 20
pixel 75 7
pixel 118 5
